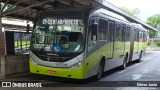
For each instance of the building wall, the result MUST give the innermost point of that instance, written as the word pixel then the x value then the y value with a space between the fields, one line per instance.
pixel 14 64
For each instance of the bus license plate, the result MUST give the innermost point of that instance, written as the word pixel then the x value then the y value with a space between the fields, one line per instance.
pixel 51 72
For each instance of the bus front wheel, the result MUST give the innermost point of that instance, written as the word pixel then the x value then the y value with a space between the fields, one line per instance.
pixel 99 71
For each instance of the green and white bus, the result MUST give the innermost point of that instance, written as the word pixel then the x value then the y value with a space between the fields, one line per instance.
pixel 83 43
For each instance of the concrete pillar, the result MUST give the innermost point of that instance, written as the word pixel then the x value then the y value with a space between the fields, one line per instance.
pixel 2 66
pixel 0 18
pixel 2 39
pixel 2 47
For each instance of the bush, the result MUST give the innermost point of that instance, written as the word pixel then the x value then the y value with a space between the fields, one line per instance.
pixel 158 43
pixel 148 43
pixel 151 44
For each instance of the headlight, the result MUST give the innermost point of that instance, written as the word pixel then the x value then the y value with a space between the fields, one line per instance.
pixel 74 66
pixel 33 61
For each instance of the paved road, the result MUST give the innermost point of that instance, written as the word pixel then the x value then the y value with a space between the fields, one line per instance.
pixel 147 70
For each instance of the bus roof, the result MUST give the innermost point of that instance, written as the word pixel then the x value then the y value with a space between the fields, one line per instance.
pixel 111 14
pixel 139 26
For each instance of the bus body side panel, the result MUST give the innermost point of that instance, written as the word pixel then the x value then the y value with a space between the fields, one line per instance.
pixel 117 56
pixel 93 60
pixel 127 48
pixel 142 43
pixel 136 52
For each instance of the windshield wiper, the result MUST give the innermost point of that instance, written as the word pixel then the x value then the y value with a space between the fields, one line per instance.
pixel 41 49
pixel 49 40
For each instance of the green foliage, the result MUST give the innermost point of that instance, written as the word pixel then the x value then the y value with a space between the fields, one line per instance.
pixel 149 43
pixel 154 43
pixel 153 34
pixel 134 12
pixel 154 21
pixel 158 43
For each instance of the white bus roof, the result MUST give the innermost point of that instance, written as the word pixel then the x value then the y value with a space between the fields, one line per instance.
pixel 111 14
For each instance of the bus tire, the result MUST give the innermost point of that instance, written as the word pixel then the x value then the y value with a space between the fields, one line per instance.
pixel 100 70
pixel 123 67
pixel 140 57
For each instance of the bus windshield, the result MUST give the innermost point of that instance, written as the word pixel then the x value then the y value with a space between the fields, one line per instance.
pixel 58 35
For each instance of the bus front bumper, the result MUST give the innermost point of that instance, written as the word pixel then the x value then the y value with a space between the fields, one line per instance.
pixel 77 73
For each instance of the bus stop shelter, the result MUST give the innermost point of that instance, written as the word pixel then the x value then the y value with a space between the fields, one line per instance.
pixel 28 9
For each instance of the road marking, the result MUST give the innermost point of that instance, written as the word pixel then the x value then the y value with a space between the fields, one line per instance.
pixel 151 76
pixel 145 71
pixel 122 71
pixel 136 76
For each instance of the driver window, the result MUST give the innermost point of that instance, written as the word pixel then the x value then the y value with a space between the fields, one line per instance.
pixel 92 33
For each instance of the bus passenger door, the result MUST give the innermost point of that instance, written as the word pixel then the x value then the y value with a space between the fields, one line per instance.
pixel 111 39
pixel 136 41
pixel 117 43
pixel 140 41
pixel 123 39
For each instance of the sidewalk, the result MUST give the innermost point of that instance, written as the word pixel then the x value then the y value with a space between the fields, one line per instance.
pixel 14 76
pixel 149 48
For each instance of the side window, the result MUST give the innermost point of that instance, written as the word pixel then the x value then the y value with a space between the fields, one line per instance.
pixel 144 37
pixel 111 31
pixel 128 33
pixel 123 34
pixel 136 35
pixel 140 36
pixel 39 38
pixel 103 29
pixel 118 33
pixel 92 33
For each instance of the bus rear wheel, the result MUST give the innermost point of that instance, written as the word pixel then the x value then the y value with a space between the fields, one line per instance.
pixel 140 57
pixel 123 67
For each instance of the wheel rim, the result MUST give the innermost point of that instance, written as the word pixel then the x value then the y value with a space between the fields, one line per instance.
pixel 140 56
pixel 124 65
pixel 125 62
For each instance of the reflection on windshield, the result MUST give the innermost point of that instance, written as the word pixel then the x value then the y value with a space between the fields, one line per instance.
pixel 58 35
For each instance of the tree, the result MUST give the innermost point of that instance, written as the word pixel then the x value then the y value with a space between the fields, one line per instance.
pixel 154 21
pixel 134 12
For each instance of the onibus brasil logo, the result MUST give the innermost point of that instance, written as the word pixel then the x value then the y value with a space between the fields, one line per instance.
pixel 21 84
